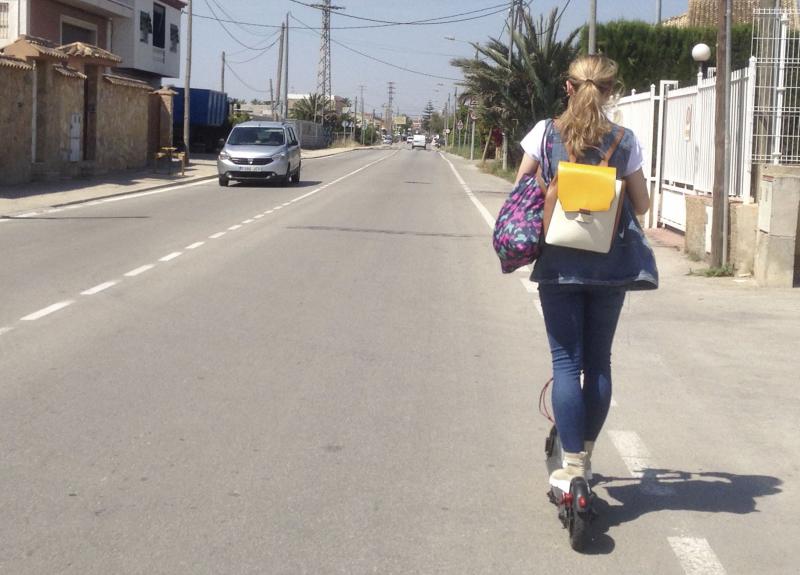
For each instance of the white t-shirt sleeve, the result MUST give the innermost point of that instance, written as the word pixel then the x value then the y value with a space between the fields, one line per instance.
pixel 532 142
pixel 635 159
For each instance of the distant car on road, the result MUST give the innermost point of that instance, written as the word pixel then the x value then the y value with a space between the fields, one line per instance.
pixel 410 140
pixel 260 151
pixel 387 139
pixel 419 141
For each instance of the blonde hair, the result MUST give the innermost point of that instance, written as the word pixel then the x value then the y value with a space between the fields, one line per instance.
pixel 584 123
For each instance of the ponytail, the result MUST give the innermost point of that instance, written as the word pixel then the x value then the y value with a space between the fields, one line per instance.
pixel 584 123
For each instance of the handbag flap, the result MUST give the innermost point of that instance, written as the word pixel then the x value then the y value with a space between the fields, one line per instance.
pixel 584 187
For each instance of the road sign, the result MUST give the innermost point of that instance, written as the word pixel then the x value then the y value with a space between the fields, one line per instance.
pixel 447 131
pixel 473 116
pixel 460 125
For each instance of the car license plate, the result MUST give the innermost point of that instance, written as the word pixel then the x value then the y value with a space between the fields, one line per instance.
pixel 248 168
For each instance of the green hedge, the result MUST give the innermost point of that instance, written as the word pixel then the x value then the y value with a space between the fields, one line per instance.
pixel 647 54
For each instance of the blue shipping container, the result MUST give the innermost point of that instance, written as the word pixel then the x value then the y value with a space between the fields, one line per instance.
pixel 206 107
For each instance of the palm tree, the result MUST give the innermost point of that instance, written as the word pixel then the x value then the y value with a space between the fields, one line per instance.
pixel 312 108
pixel 514 96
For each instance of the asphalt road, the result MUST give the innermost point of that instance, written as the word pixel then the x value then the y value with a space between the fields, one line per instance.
pixel 334 377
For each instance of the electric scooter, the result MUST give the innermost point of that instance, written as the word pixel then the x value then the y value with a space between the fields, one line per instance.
pixel 576 506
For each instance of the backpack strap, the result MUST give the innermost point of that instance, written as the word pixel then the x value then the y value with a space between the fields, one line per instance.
pixel 613 147
pixel 608 154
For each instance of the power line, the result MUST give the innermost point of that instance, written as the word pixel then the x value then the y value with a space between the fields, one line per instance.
pixel 378 59
pixel 411 22
pixel 240 26
pixel 421 23
pixel 264 51
pixel 245 84
pixel 234 38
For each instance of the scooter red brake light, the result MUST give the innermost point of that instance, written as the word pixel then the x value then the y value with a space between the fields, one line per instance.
pixel 582 502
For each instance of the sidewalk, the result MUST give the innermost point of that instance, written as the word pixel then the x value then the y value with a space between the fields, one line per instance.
pixel 34 196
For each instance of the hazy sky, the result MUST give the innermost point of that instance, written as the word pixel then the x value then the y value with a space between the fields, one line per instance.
pixel 418 48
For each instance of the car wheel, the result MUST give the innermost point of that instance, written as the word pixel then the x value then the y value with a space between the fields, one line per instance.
pixel 286 178
pixel 296 175
pixel 223 181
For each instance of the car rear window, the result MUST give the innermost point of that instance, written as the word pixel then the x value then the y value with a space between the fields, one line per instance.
pixel 254 136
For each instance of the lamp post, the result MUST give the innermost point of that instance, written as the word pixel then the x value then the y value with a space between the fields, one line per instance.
pixel 701 54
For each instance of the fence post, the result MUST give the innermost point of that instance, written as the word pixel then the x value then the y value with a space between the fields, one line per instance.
pixel 779 90
pixel 663 89
pixel 747 149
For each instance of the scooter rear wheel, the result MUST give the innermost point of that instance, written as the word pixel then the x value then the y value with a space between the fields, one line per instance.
pixel 580 516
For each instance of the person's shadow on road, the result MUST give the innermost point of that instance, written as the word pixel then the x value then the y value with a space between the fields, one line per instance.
pixel 670 490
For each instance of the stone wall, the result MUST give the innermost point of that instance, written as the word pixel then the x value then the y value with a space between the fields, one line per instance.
pixel 122 122
pixel 16 116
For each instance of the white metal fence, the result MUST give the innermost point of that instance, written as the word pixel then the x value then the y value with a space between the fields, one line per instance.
pixel 776 47
pixel 682 141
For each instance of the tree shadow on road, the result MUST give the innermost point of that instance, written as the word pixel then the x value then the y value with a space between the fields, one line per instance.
pixel 670 490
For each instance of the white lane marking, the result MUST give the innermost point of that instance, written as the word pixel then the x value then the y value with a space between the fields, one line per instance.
pixel 194 245
pixel 217 235
pixel 47 310
pixel 5 330
pixel 248 221
pixel 98 288
pixel 696 556
pixel 139 270
pixel 285 203
pixel 171 256
pixel 481 208
pixel 529 286
pixel 268 212
pixel 276 208
pixel 235 227
pixel 637 459
pixel 258 217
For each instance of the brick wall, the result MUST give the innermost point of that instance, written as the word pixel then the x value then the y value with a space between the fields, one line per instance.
pixel 16 110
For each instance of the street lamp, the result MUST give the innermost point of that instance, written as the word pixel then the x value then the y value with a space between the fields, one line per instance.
pixel 701 53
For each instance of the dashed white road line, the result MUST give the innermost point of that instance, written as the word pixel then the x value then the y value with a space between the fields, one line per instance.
pixel 250 221
pixel 171 256
pixel 194 245
pixel 268 212
pixel 139 270
pixel 276 208
pixel 234 227
pixel 258 217
pixel 696 556
pixel 98 288
pixel 5 330
pixel 637 459
pixel 216 236
pixel 47 310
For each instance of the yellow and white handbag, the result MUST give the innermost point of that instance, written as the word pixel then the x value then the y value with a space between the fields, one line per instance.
pixel 583 204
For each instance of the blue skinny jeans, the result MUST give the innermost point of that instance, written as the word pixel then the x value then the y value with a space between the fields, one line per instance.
pixel 580 323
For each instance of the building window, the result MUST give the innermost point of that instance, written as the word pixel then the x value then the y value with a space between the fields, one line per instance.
pixel 174 37
pixel 159 25
pixel 145 26
pixel 74 33
pixel 3 19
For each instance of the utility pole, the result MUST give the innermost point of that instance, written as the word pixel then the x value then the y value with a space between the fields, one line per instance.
pixel 222 82
pixel 272 98
pixel 286 74
pixel 187 84
pixel 592 26
pixel 511 15
pixel 658 12
pixel 389 110
pixel 280 72
pixel 362 115
pixel 721 122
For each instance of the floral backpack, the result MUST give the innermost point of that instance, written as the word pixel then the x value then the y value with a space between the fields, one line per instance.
pixel 518 228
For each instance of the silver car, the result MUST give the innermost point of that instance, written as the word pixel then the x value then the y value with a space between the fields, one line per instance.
pixel 260 151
